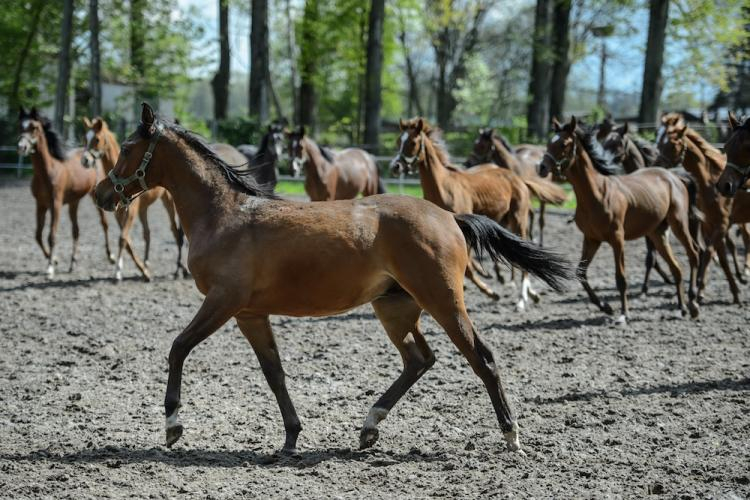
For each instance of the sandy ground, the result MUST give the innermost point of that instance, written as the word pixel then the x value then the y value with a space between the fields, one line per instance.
pixel 659 406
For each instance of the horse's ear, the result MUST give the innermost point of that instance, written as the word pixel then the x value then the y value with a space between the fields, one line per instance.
pixel 34 113
pixel 734 123
pixel 97 124
pixel 555 124
pixel 401 124
pixel 573 122
pixel 625 128
pixel 147 115
pixel 86 122
pixel 419 125
pixel 21 112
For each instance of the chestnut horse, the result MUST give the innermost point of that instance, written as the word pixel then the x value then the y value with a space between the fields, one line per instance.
pixel 102 145
pixel 680 145
pixel 253 255
pixel 492 147
pixel 485 189
pixel 616 208
pixel 58 179
pixel 333 176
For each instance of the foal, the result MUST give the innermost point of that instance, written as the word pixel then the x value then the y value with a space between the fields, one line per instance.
pixel 58 179
pixel 102 145
pixel 253 255
pixel 615 208
pixel 262 159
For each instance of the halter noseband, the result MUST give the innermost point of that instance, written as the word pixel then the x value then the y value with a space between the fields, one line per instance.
pixel 744 171
pixel 140 173
pixel 564 162
pixel 409 161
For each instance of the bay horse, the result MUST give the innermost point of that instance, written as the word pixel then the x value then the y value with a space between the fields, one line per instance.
pixel 492 147
pixel 615 208
pixel 262 160
pixel 58 179
pixel 253 255
pixel 679 145
pixel 102 145
pixel 333 176
pixel 485 189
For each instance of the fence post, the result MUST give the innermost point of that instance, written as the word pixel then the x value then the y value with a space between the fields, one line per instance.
pixel 19 166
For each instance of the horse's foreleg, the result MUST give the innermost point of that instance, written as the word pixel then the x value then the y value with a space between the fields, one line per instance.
pixel 73 212
pixel 721 250
pixel 105 227
pixel 217 308
pixel 588 252
pixel 746 243
pixel 399 315
pixel 56 208
pixel 258 332
pixel 41 215
pixel 127 219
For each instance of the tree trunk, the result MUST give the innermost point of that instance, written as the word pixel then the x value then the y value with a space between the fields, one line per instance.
pixel 95 81
pixel 373 98
pixel 537 113
pixel 259 72
pixel 14 100
pixel 652 80
pixel 137 52
pixel 561 47
pixel 308 66
pixel 413 103
pixel 220 81
pixel 292 60
pixel 63 71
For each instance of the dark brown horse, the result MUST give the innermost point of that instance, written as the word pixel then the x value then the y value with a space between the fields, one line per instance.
pixel 253 255
pixel 262 160
pixel 613 209
pixel 492 147
pixel 59 179
pixel 333 176
pixel 680 145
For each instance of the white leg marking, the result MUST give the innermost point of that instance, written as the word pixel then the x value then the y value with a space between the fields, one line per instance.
pixel 374 417
pixel 172 420
pixel 511 438
pixel 118 269
pixel 50 270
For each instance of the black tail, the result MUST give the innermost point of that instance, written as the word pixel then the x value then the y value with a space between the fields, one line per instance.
pixel 483 235
pixel 381 186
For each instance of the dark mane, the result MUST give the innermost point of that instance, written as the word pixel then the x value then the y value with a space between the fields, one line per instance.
pixel 325 152
pixel 240 180
pixel 505 142
pixel 55 144
pixel 647 149
pixel 601 160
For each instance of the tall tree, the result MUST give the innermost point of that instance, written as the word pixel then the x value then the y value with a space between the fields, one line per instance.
pixel 259 70
pixel 14 99
pixel 138 51
pixel 373 98
pixel 64 62
pixel 537 114
pixel 220 81
pixel 652 77
pixel 290 54
pixel 308 67
pixel 95 77
pixel 561 48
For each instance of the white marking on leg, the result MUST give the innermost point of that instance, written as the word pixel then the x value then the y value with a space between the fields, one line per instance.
pixel 521 306
pixel 50 270
pixel 118 269
pixel 511 438
pixel 374 417
pixel 173 420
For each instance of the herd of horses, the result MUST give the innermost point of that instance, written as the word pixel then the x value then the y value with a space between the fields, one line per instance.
pixel 253 254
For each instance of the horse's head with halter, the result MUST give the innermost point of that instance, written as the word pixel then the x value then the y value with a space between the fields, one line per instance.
pixel 561 149
pixel 296 150
pixel 737 149
pixel 131 177
pixel 31 129
pixel 670 140
pixel 484 147
pixel 96 141
pixel 410 144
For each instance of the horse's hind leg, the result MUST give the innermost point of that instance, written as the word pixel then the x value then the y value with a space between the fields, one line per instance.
pixel 721 250
pixel 618 249
pixel 542 209
pixel 399 314
pixel 73 212
pixel 143 217
pixel 483 287
pixel 746 243
pixel 55 219
pixel 177 232
pixel 661 243
pixel 41 215
pixel 732 248
pixel 105 228
pixel 258 332
pixel 588 252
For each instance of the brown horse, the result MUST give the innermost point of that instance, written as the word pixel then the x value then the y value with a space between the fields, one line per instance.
pixel 616 208
pixel 253 255
pixel 492 147
pixel 58 179
pixel 498 193
pixel 101 144
pixel 333 176
pixel 681 145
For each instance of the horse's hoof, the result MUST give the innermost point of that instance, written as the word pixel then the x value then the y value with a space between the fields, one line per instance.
pixel 118 276
pixel 621 320
pixel 607 309
pixel 147 277
pixel 511 439
pixel 694 310
pixel 111 258
pixel 50 271
pixel 700 299
pixel 288 452
pixel 521 306
pixel 535 297
pixel 174 434
pixel 644 290
pixel 368 437
pixel 494 295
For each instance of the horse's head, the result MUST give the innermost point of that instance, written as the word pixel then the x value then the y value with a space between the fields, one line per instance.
pixel 670 139
pixel 616 143
pixel 604 129
pixel 131 175
pixel 276 138
pixel 737 149
pixel 296 151
pixel 483 147
pixel 31 131
pixel 410 144
pixel 561 149
pixel 96 141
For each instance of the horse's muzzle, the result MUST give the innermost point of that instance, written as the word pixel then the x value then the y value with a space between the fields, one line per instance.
pixel 727 188
pixel 397 167
pixel 104 196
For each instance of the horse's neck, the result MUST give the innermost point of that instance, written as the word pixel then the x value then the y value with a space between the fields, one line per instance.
pixel 503 157
pixel 109 158
pixel 696 163
pixel 42 161
pixel 432 174
pixel 318 169
pixel 634 159
pixel 586 181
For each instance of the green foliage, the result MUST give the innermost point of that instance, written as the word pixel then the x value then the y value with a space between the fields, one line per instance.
pixel 240 130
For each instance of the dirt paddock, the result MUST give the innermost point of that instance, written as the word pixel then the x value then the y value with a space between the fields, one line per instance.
pixel 659 406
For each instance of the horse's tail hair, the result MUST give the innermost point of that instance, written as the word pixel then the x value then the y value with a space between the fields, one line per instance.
pixel 381 186
pixel 546 191
pixel 687 179
pixel 483 235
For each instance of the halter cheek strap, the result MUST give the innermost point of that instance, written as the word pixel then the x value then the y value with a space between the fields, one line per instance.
pixel 139 174
pixel 410 160
pixel 559 167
